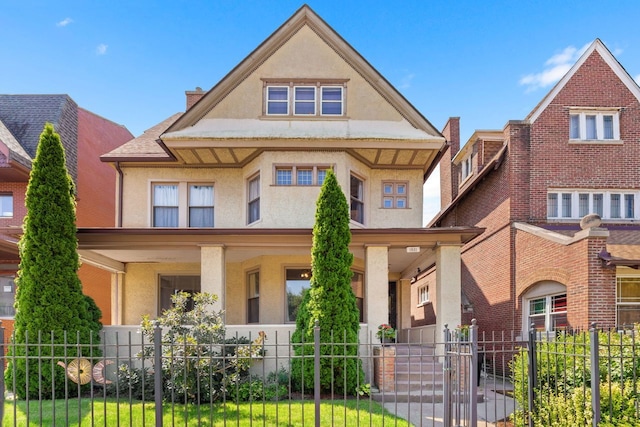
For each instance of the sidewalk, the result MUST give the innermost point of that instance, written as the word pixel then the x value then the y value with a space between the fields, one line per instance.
pixel 493 411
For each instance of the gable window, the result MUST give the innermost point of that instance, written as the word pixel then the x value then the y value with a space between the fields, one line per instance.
pixel 423 295
pixel 7 296
pixel 300 175
pixel 575 204
pixel 6 205
pixel 357 199
pixel 201 206
pixel 253 199
pixel 465 168
pixel 627 301
pixel 170 285
pixel 594 125
pixel 305 98
pixel 394 194
pixel 253 297
pixel 548 313
pixel 165 205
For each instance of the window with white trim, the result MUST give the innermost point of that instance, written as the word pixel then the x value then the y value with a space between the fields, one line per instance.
pixel 465 168
pixel 357 199
pixel 305 98
pixel 253 199
pixel 627 301
pixel 608 204
pixel 423 295
pixel 548 313
pixel 165 205
pixel 6 205
pixel 594 125
pixel 200 205
pixel 7 296
pixel 394 194
pixel 300 175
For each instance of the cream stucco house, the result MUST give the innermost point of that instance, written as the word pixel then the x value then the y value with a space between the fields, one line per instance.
pixel 221 198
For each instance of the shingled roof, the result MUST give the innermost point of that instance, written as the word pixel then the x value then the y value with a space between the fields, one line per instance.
pixel 25 116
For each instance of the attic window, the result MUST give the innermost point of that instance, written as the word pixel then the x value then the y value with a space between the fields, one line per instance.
pixel 600 125
pixel 305 98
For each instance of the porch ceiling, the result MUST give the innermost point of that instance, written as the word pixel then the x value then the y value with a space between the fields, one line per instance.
pixel 113 248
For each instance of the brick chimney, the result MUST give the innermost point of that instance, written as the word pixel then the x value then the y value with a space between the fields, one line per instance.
pixel 449 176
pixel 194 96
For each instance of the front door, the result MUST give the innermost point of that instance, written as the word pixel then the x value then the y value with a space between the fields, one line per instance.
pixel 393 315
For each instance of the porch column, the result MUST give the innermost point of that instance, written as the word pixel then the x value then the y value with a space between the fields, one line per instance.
pixel 212 273
pixel 448 287
pixel 404 296
pixel 377 282
pixel 117 291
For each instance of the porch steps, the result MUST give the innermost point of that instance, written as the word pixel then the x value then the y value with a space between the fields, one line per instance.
pixel 419 376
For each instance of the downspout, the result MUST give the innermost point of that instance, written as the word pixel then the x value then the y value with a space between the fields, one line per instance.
pixel 120 196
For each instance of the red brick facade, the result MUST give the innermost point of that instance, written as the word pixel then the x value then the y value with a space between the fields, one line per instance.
pixel 509 187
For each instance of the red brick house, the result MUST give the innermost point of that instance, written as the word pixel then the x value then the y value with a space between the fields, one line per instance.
pixel 85 136
pixel 559 196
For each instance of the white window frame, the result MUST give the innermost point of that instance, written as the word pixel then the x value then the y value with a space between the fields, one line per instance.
pixel 466 168
pixel 6 201
pixel 580 117
pixel 183 189
pixel 423 295
pixel 202 206
pixel 319 100
pixel 357 200
pixel 608 196
pixel 316 173
pixel 548 314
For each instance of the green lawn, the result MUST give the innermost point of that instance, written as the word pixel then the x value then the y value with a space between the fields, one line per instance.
pixel 294 413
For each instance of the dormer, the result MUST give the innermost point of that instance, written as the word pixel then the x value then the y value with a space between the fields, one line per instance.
pixel 477 152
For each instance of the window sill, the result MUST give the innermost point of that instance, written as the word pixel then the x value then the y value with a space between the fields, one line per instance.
pixel 301 118
pixel 596 141
pixel 422 304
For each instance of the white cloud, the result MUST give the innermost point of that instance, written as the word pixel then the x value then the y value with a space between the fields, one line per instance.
pixel 101 49
pixel 554 68
pixel 64 22
pixel 405 82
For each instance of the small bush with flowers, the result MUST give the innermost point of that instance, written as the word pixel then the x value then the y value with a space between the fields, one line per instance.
pixel 386 331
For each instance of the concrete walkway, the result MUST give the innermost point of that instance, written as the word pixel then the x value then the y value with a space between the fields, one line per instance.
pixel 493 411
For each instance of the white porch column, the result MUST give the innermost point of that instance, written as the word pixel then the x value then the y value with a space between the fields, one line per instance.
pixel 212 273
pixel 377 281
pixel 448 287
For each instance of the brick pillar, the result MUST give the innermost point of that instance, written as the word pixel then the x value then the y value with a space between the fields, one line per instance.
pixel 448 175
pixel 384 368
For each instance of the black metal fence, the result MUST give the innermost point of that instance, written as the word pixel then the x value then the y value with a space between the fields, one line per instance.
pixel 464 379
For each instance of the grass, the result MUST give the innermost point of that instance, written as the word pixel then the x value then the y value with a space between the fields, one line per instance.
pixel 110 412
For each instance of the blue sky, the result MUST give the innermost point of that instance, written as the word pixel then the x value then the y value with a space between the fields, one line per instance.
pixel 485 61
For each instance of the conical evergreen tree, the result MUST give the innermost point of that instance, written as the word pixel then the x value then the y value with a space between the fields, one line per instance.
pixel 330 300
pixel 50 306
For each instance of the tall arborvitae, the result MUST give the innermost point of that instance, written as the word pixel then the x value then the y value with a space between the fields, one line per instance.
pixel 330 300
pixel 50 306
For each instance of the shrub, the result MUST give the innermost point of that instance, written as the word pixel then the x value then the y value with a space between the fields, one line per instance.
pixel 274 387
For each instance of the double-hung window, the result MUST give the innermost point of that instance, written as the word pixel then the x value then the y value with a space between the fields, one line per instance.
pixel 253 199
pixel 627 301
pixel 305 98
pixel 253 297
pixel 357 199
pixel 423 295
pixel 165 205
pixel 201 206
pixel 594 125
pixel 394 194
pixel 6 205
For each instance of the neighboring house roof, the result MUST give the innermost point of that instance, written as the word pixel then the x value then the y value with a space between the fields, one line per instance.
pixel 14 150
pixel 146 147
pixel 608 57
pixel 24 116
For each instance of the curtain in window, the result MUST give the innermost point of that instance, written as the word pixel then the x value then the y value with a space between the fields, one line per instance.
pixel 254 199
pixel 591 127
pixel 332 100
pixel 583 204
pixel 201 206
pixel 629 202
pixel 566 205
pixel 598 204
pixel 615 206
pixel 574 132
pixel 165 210
pixel 607 122
pixel 552 205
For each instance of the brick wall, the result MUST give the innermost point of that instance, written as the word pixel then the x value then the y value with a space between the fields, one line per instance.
pixel 448 175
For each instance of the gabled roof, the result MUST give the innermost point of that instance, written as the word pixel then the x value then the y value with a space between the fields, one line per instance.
pixel 607 56
pixel 304 16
